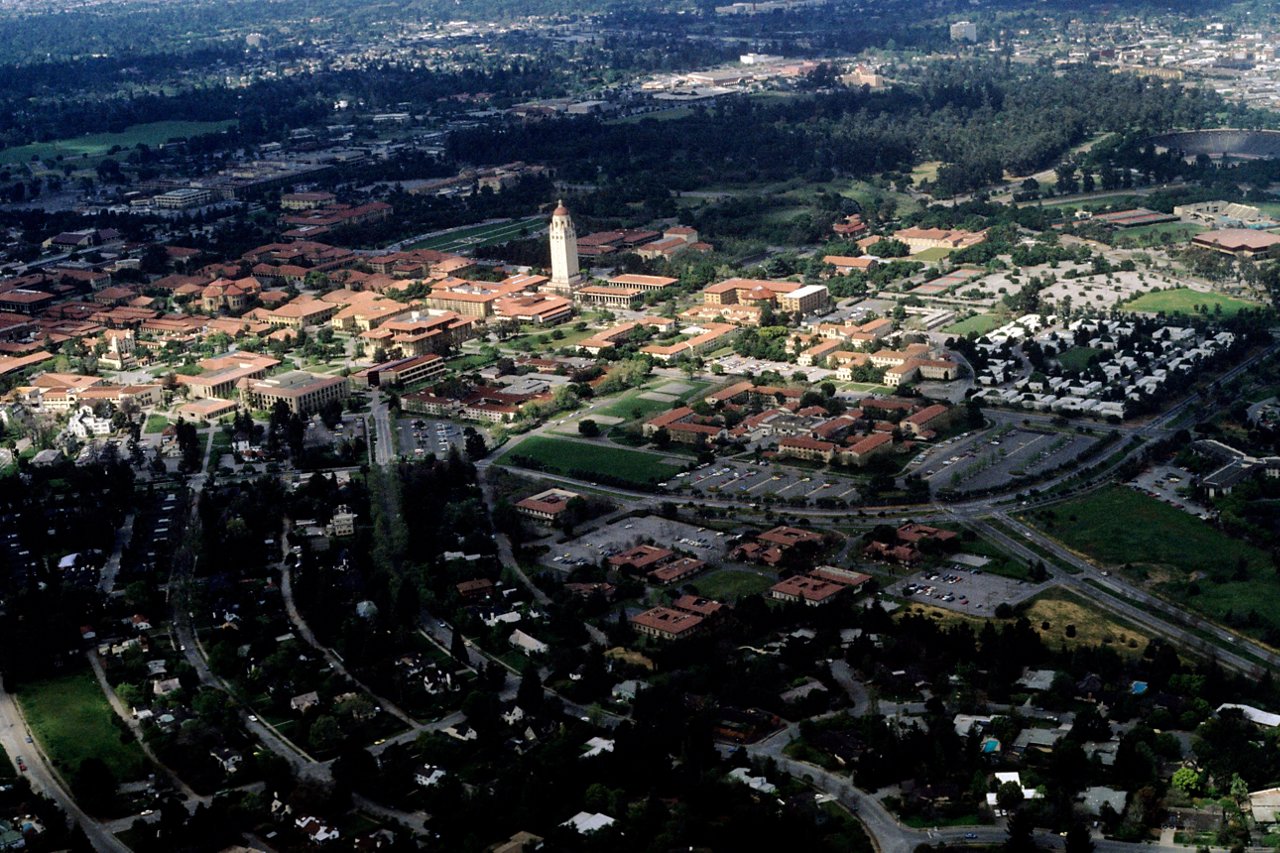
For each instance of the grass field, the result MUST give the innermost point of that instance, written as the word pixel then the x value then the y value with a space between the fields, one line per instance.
pixel 98 144
pixel 72 720
pixel 476 236
pixel 729 586
pixel 1185 301
pixel 657 115
pixel 631 402
pixel 1153 235
pixel 155 424
pixel 979 324
pixel 930 255
pixel 1181 556
pixel 576 458
pixel 1078 358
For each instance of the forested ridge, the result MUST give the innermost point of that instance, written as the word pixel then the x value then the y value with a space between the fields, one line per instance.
pixel 978 119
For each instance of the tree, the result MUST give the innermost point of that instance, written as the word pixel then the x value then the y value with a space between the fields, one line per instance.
pixel 588 428
pixel 1021 832
pixel 1078 839
pixel 94 785
pixel 326 734
pixel 1187 780
pixel 1008 797
pixel 476 446
pixel 529 694
pixel 458 648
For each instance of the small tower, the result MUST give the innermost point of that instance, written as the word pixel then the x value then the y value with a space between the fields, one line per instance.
pixel 564 252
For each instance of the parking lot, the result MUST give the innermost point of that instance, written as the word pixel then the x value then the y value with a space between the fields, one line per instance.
pixel 594 545
pixel 1163 482
pixel 963 589
pixel 749 481
pixel 991 459
pixel 420 436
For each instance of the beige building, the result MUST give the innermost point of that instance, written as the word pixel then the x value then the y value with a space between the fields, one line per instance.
pixel 302 392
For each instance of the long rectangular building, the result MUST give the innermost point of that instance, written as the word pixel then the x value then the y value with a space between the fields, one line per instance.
pixel 302 392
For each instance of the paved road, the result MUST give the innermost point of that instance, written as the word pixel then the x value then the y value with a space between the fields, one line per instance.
pixel 1137 605
pixel 383 434
pixel 111 568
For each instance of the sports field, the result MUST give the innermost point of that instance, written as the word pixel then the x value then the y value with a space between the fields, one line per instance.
pixel 584 460
pixel 978 323
pixel 1186 301
pixel 475 236
pixel 98 144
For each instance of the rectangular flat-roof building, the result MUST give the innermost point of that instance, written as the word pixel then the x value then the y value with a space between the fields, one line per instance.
pixel 302 392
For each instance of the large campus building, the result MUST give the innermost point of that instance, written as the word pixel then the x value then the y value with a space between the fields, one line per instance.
pixel 302 392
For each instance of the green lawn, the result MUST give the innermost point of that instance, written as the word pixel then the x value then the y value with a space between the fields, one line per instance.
pixel 1078 358
pixel 729 586
pixel 1179 555
pixel 1186 301
pixel 630 402
pixel 1153 235
pixel 979 324
pixel 98 144
pixel 72 720
pixel 930 255
pixel 582 460
pixel 481 235
pixel 155 424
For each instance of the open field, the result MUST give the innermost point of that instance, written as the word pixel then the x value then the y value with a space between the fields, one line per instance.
pixel 1059 609
pixel 582 459
pixel 978 324
pixel 99 144
pixel 1078 358
pixel 729 586
pixel 1185 301
pixel 476 236
pixel 1179 555
pixel 670 114
pixel 929 255
pixel 73 721
pixel 926 171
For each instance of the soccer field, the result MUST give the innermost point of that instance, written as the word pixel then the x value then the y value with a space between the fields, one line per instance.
pixel 475 236
pixel 1186 301
pixel 584 460
pixel 99 144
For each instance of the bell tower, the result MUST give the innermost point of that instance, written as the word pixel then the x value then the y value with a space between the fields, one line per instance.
pixel 565 275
